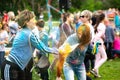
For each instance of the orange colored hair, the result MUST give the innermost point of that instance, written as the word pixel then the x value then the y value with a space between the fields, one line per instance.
pixel 84 40
pixel 85 36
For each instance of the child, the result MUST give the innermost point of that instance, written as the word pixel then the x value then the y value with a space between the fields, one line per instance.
pixel 116 45
pixel 72 54
pixel 44 38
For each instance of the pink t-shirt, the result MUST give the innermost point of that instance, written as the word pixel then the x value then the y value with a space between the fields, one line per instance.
pixel 100 33
pixel 116 43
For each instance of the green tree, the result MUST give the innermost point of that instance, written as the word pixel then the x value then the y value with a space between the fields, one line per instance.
pixel 114 3
pixel 91 5
pixel 77 5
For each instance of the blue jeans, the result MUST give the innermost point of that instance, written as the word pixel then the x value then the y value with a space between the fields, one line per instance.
pixel 2 54
pixel 70 70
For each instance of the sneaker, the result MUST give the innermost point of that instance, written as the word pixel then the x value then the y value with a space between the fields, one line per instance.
pixel 94 73
pixel 110 59
pixel 98 76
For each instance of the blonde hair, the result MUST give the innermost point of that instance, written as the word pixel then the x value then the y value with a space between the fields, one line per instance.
pixel 87 13
pixel 11 15
pixel 84 29
pixel 24 17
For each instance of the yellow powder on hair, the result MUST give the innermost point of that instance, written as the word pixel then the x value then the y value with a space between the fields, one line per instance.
pixel 63 53
pixel 0 25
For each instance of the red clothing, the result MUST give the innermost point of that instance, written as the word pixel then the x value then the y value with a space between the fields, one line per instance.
pixel 5 18
pixel 116 43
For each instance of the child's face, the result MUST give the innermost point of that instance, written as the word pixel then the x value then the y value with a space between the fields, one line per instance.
pixel 71 18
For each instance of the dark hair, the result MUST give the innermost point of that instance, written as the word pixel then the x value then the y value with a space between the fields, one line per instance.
pixel 40 23
pixel 93 20
pixel 118 9
pixel 65 15
pixel 99 18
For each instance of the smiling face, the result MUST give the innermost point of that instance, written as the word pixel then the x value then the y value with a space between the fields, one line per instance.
pixel 84 18
pixel 86 15
pixel 68 17
pixel 71 18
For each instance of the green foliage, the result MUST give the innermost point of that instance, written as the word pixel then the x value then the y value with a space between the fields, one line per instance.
pixel 28 6
pixel 72 10
pixel 98 5
pixel 45 16
pixel 114 3
pixel 5 6
pixel 91 5
pixel 77 5
pixel 87 5
pixel 55 15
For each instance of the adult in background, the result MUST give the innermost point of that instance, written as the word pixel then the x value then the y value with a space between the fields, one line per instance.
pixel 25 42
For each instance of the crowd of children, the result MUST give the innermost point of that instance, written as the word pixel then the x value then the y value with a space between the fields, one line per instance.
pixel 86 41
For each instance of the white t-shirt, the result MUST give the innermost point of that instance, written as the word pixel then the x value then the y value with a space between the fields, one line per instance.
pixel 3 35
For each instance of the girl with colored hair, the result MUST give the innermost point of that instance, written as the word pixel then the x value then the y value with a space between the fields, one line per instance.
pixel 72 53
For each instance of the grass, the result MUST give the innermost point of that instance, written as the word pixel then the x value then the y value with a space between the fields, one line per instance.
pixel 110 70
